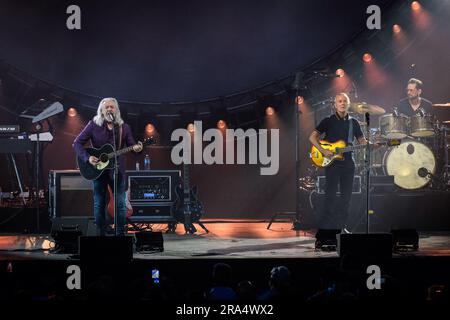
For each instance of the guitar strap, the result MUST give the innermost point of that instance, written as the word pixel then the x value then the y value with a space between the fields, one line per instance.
pixel 120 138
pixel 350 131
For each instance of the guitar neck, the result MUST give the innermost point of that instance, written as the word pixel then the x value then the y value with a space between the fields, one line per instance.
pixel 120 152
pixel 351 148
pixel 186 182
pixel 362 146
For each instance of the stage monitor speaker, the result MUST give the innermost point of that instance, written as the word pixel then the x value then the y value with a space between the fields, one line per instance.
pixel 149 241
pixel 70 195
pixel 100 250
pixel 66 231
pixel 372 245
pixel 405 240
pixel 85 225
pixel 326 239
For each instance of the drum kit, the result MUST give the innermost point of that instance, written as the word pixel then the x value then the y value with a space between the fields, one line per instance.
pixel 420 160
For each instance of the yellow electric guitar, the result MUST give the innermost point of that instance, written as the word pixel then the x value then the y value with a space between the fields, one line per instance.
pixel 339 148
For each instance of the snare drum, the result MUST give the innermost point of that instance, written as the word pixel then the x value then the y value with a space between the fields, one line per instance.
pixel 422 126
pixel 394 127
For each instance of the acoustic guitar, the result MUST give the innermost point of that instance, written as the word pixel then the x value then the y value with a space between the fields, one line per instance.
pixel 106 156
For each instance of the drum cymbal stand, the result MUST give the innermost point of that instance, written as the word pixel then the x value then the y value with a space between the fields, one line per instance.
pixel 367 167
pixel 445 174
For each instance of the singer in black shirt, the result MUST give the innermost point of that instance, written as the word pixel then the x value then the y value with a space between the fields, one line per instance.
pixel 414 103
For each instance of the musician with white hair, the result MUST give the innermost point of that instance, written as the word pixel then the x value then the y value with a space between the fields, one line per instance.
pixel 338 127
pixel 99 131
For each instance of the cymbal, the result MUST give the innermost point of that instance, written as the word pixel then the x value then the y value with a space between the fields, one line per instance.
pixel 442 105
pixel 363 107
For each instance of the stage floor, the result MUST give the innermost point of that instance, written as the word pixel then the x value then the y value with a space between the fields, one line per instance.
pixel 227 239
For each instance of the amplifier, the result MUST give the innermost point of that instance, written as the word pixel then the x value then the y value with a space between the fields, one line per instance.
pixel 152 194
pixel 70 195
pixel 320 185
pixel 150 188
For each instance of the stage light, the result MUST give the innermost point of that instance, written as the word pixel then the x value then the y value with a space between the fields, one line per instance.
pixel 416 6
pixel 367 57
pixel 221 124
pixel 300 100
pixel 340 72
pixel 72 112
pixel 149 128
pixel 270 111
pixel 396 28
pixel 191 127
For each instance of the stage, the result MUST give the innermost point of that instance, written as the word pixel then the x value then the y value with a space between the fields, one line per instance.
pixel 227 239
pixel 185 266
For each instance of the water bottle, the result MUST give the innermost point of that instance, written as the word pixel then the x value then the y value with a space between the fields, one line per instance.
pixel 137 166
pixel 147 162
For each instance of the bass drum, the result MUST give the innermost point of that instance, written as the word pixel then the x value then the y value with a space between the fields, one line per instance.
pixel 404 161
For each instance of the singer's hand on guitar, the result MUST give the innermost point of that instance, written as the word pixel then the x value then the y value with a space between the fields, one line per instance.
pixel 93 160
pixel 327 153
pixel 137 147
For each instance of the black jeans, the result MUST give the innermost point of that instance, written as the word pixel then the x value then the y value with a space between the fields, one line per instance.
pixel 336 209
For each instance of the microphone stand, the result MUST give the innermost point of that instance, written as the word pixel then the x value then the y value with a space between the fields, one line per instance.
pixel 433 178
pixel 367 165
pixel 37 163
pixel 296 223
pixel 116 176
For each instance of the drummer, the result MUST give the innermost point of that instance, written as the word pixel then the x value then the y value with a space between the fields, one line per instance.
pixel 414 104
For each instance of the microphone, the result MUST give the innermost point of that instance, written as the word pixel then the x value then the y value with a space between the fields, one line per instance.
pixel 111 116
pixel 368 119
pixel 423 172
pixel 422 112
pixel 395 112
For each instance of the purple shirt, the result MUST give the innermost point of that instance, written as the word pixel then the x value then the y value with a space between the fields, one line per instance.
pixel 98 136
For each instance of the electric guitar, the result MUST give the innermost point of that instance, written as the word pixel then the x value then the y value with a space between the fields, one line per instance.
pixel 111 203
pixel 187 208
pixel 338 148
pixel 106 157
